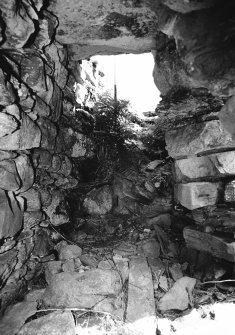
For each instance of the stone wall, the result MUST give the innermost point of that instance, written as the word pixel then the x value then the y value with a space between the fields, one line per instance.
pixel 44 130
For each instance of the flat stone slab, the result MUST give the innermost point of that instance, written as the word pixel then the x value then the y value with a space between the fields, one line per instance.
pixel 214 245
pixel 198 138
pixel 196 195
pixel 141 304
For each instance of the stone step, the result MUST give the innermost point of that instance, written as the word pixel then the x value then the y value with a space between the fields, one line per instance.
pixel 197 139
pixel 216 246
pixel 140 312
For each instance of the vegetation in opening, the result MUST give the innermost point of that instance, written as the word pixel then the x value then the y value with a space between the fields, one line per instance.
pixel 112 133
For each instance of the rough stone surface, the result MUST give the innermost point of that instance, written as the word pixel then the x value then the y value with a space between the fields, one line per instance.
pixel 99 201
pixel 57 211
pixel 196 195
pixel 141 303
pixel 178 296
pixel 9 178
pixel 11 217
pixel 56 323
pixel 220 164
pixel 216 246
pixel 82 290
pixel 27 137
pixel 114 27
pixel 67 251
pixel 150 248
pixel 15 317
pixel 198 138
pixel 26 172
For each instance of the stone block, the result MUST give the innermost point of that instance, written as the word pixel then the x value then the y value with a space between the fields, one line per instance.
pixel 198 138
pixel 196 195
pixel 33 200
pixel 215 165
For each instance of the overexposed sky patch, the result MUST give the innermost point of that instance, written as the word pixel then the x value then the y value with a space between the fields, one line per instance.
pixel 133 77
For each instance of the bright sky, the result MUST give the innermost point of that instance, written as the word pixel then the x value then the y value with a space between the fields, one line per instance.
pixel 133 77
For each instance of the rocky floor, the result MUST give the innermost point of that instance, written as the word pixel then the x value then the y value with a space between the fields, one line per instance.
pixel 138 280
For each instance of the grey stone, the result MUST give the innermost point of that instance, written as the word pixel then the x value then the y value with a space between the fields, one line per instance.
pixel 49 133
pixel 33 199
pixel 42 158
pixel 196 195
pixel 8 124
pixel 219 164
pixel 68 251
pixel 52 268
pixel 8 262
pixel 89 260
pixel 141 303
pixel 175 271
pixel 11 217
pixel 152 165
pixel 15 317
pixel 56 323
pixel 6 91
pixel 106 264
pixel 99 201
pixel 68 265
pixel 9 178
pixel 27 137
pixel 229 192
pixel 32 219
pixel 125 249
pixel 82 290
pixel 4 155
pixel 57 210
pixel 197 138
pixel 178 296
pixel 151 248
pixel 26 172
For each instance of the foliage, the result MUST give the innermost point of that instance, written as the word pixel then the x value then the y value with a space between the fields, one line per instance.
pixel 111 131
